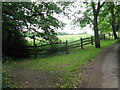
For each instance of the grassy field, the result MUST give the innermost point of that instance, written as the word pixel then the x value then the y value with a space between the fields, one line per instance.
pixel 61 37
pixel 72 37
pixel 69 38
pixel 68 66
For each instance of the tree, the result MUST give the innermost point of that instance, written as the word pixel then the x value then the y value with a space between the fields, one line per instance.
pixel 110 23
pixel 95 22
pixel 13 43
pixel 113 23
pixel 91 17
pixel 22 17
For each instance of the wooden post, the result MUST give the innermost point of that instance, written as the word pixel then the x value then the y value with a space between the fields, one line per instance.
pixel 81 43
pixel 33 40
pixel 35 51
pixel 35 47
pixel 91 40
pixel 66 47
pixel 101 35
pixel 60 42
pixel 112 35
pixel 109 35
pixel 104 37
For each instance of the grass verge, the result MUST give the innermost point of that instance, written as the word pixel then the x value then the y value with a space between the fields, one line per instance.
pixel 67 66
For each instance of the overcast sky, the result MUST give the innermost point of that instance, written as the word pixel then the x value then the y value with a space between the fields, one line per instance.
pixel 73 14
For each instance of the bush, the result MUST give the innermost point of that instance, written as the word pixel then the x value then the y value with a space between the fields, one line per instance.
pixel 6 79
pixel 5 58
pixel 53 49
pixel 16 47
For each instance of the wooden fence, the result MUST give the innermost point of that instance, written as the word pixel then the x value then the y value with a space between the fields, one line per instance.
pixel 82 42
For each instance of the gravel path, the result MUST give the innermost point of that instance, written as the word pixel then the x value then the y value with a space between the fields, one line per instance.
pixel 102 72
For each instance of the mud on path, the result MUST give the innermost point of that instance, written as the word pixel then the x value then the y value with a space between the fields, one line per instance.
pixel 32 78
pixel 102 72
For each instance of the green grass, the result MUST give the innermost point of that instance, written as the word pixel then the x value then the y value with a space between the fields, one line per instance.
pixel 67 65
pixel 71 37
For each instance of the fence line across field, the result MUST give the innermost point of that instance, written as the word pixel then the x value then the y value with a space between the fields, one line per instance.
pixel 82 42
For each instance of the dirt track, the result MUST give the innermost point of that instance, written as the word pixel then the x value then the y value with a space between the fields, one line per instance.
pixel 32 78
pixel 102 72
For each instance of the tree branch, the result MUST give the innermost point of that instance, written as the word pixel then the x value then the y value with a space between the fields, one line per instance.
pixel 93 6
pixel 99 6
pixel 102 4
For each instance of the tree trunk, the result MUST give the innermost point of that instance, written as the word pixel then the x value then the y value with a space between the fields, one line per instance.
pixel 113 21
pixel 114 33
pixel 97 38
pixel 95 23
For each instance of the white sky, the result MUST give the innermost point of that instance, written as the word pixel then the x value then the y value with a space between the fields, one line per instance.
pixel 70 27
pixel 73 14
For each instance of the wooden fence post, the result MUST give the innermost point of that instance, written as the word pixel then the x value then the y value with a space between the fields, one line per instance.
pixel 35 51
pixel 66 47
pixel 81 43
pixel 35 47
pixel 109 35
pixel 91 40
pixel 104 36
pixel 60 42
pixel 112 35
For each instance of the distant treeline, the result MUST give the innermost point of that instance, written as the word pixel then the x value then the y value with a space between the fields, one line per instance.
pixel 64 33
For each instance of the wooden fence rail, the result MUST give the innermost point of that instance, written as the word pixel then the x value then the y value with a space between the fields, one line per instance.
pixel 37 50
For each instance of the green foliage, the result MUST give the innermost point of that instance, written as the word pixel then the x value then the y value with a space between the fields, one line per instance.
pixel 86 19
pixel 14 43
pixel 53 49
pixel 105 20
pixel 6 79
pixel 22 19
pixel 6 59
